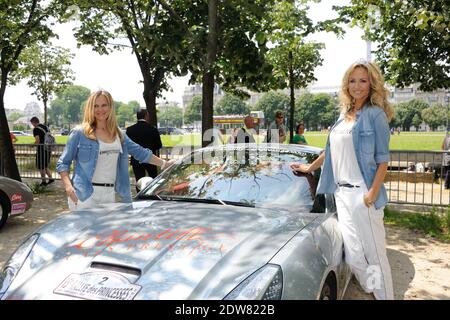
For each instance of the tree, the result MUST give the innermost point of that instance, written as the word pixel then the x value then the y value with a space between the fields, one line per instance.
pixel 14 116
pixel 154 36
pixel 294 60
pixel 416 121
pixel 270 102
pixel 405 112
pixel 316 110
pixel 57 110
pixel 172 116
pixel 434 116
pixel 193 111
pixel 226 46
pixel 47 69
pixel 413 39
pixel 22 24
pixel 70 101
pixel 231 104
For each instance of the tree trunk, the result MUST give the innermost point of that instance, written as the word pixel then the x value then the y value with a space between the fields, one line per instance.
pixel 150 103
pixel 152 85
pixel 44 101
pixel 292 87
pixel 7 157
pixel 208 75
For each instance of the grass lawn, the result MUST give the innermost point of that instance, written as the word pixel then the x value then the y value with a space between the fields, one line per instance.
pixel 404 141
pixel 432 223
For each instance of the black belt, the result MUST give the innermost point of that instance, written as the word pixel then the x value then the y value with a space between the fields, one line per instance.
pixel 347 185
pixel 103 184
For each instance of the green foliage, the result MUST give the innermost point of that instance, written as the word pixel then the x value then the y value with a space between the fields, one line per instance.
pixel 36 188
pixel 22 24
pixel 153 34
pixel 171 116
pixel 14 116
pixel 413 39
pixel 270 102
pixel 292 57
pixel 46 69
pixel 316 110
pixel 67 107
pixel 193 111
pixel 124 113
pixel 433 223
pixel 434 116
pixel 20 127
pixel 240 59
pixel 231 104
pixel 406 111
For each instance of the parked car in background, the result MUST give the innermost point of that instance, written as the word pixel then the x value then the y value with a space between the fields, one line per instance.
pixel 170 130
pixel 20 133
pixel 15 198
pixel 227 222
pixel 65 132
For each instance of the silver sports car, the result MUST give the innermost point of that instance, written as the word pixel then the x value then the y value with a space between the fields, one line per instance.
pixel 15 198
pixel 227 222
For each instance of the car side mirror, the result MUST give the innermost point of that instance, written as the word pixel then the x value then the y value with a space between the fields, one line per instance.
pixel 143 182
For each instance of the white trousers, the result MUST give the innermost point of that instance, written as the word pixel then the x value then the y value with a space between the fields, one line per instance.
pixel 101 195
pixel 364 241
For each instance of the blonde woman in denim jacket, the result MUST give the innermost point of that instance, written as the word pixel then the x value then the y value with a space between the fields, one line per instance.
pixel 355 163
pixel 100 151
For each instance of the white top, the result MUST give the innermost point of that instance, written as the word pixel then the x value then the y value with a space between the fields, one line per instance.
pixel 343 157
pixel 108 156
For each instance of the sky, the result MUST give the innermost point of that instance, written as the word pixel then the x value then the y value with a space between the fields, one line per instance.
pixel 120 75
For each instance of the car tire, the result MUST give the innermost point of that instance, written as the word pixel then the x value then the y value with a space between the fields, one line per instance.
pixel 4 210
pixel 328 292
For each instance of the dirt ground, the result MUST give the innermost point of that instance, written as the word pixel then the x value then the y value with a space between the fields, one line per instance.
pixel 420 264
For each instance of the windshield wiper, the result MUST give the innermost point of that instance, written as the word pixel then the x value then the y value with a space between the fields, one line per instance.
pixel 207 200
pixel 150 197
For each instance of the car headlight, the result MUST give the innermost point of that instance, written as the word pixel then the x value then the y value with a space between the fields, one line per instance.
pixel 265 284
pixel 14 263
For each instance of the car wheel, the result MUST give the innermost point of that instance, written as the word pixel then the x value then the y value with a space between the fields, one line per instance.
pixel 327 292
pixel 3 211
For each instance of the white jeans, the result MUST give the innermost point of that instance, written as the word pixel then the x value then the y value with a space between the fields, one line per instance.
pixel 100 195
pixel 364 241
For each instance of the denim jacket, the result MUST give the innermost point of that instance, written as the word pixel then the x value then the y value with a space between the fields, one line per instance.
pixel 85 153
pixel 371 141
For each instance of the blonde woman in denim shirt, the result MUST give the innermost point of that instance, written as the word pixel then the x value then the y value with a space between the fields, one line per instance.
pixel 355 163
pixel 100 151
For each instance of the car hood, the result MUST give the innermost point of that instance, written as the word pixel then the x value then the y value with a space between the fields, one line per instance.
pixel 171 250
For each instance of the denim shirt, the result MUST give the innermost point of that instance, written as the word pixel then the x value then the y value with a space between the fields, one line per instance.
pixel 85 153
pixel 371 136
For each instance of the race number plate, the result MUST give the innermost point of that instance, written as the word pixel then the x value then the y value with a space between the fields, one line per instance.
pixel 98 286
pixel 18 208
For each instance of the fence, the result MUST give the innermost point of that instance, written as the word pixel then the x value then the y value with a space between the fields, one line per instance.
pixel 413 177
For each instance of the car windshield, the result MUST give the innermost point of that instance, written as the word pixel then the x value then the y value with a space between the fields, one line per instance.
pixel 254 177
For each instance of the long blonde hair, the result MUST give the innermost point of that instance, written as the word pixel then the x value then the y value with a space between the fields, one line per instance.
pixel 89 123
pixel 378 95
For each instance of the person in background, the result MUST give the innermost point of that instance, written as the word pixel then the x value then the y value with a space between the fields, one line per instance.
pixel 299 138
pixel 245 134
pixel 42 155
pixel 100 151
pixel 446 160
pixel 276 133
pixel 147 136
pixel 355 162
